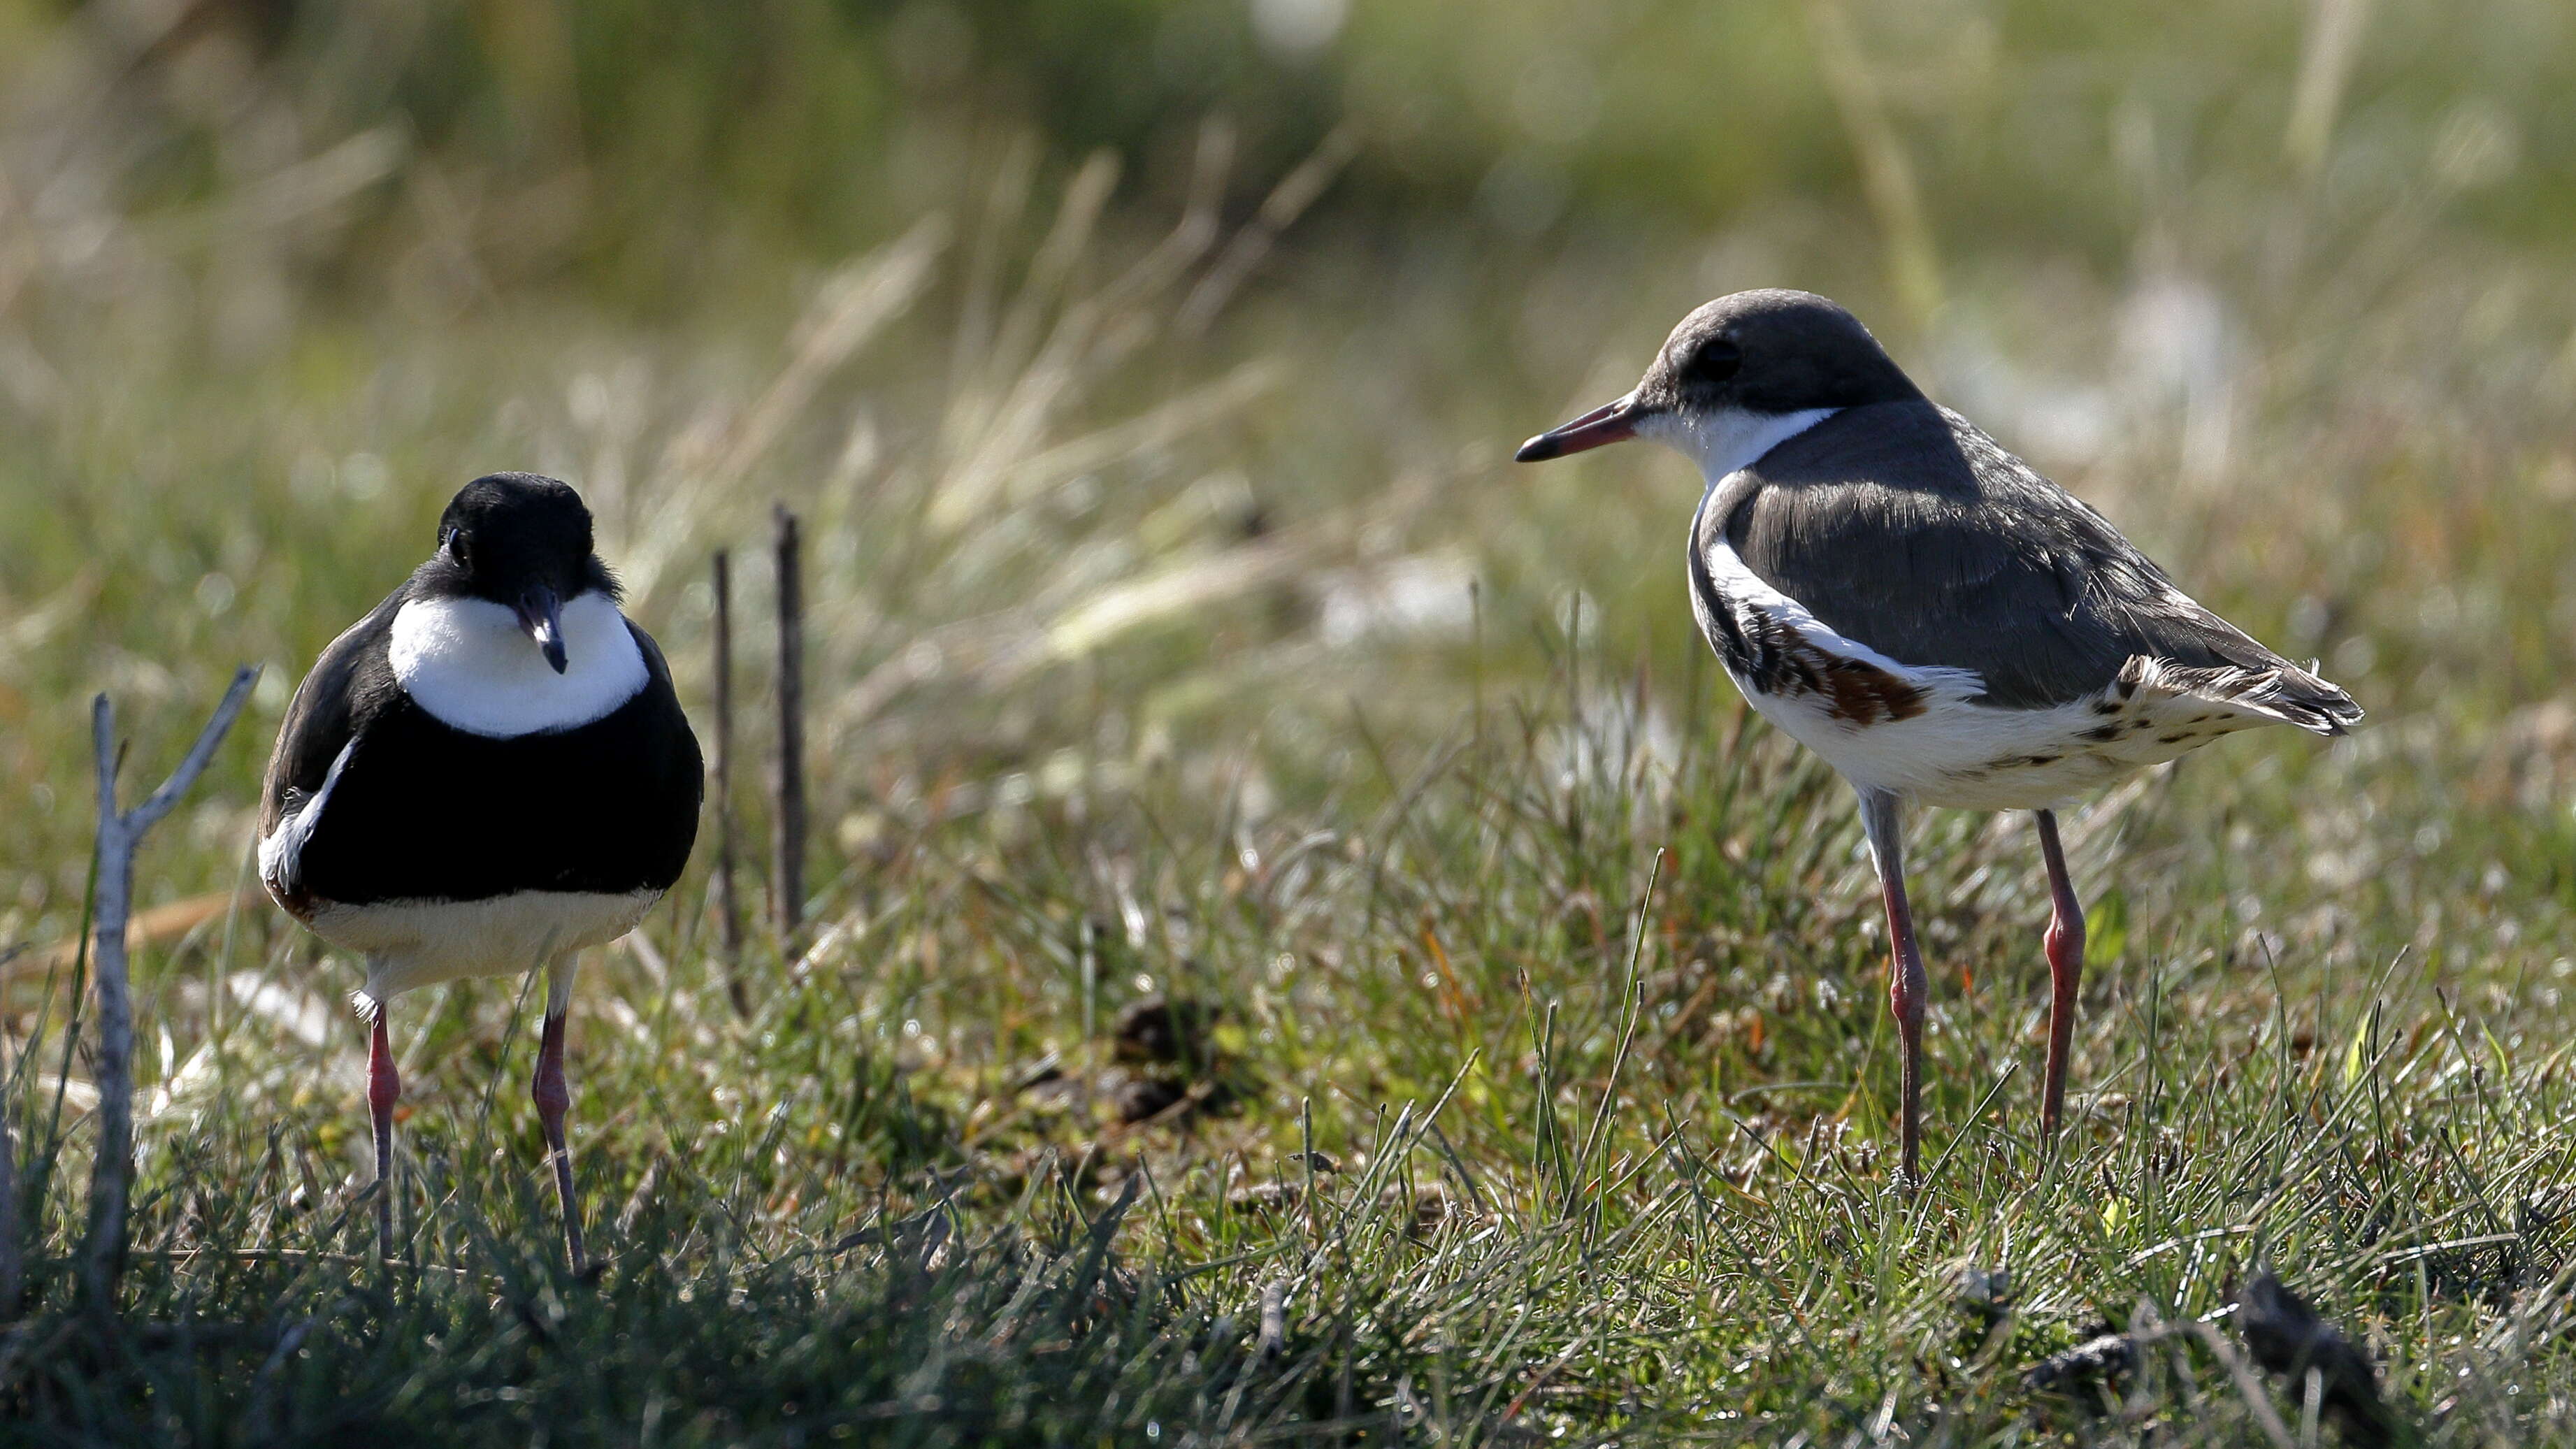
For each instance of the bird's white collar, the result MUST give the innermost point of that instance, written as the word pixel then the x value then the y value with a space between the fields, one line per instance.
pixel 469 664
pixel 1731 438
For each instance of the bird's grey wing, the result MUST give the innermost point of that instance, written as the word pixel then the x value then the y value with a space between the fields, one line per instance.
pixel 1904 528
pixel 348 686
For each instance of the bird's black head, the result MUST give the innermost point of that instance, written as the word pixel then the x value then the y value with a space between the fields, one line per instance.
pixel 1756 355
pixel 521 541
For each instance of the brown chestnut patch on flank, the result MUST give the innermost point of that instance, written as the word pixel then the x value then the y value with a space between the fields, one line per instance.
pixel 1867 694
pixel 1854 691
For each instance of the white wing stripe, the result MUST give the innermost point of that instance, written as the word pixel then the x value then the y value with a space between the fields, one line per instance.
pixel 281 855
pixel 1739 585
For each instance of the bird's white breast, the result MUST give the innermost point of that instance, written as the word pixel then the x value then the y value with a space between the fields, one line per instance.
pixel 469 664
pixel 410 944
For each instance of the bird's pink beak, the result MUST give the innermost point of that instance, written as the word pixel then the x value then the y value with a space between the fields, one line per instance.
pixel 1612 422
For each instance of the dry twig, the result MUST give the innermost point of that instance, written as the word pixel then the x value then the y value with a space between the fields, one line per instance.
pixel 788 883
pixel 728 904
pixel 120 834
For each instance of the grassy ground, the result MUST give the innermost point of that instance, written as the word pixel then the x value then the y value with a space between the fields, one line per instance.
pixel 1306 945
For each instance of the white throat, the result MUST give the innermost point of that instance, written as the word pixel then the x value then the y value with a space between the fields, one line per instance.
pixel 469 664
pixel 1731 438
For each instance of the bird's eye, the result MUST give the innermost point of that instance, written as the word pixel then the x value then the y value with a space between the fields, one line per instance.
pixel 455 542
pixel 1716 361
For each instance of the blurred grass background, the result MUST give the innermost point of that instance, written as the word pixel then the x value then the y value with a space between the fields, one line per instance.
pixel 1146 373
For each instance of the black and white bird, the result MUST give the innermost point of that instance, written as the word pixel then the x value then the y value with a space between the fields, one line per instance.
pixel 1945 626
pixel 488 773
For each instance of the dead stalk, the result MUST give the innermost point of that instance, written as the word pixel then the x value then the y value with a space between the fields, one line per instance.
pixel 728 903
pixel 788 882
pixel 120 834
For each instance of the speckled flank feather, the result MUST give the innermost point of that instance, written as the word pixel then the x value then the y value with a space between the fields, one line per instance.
pixel 2153 712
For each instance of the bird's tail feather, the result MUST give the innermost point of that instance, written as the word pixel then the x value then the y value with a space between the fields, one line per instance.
pixel 2282 691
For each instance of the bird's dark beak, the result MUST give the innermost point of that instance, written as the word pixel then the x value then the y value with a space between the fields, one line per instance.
pixel 1612 422
pixel 541 615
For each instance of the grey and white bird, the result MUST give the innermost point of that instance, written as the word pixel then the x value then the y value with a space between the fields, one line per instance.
pixel 1946 627
pixel 487 773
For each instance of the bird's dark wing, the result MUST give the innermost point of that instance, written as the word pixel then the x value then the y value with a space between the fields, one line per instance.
pixel 1901 526
pixel 674 741
pixel 345 690
pixel 682 783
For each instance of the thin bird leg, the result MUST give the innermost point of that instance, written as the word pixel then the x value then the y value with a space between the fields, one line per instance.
pixel 1905 983
pixel 552 1098
pixel 2065 973
pixel 384 1088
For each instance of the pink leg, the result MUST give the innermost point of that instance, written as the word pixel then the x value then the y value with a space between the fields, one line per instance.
pixel 384 1088
pixel 1905 983
pixel 2065 974
pixel 1905 992
pixel 553 1097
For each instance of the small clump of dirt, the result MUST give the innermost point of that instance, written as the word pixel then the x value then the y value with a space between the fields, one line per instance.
pixel 1429 1207
pixel 2098 1365
pixel 1134 1096
pixel 2290 1338
pixel 1160 1029
pixel 1164 1066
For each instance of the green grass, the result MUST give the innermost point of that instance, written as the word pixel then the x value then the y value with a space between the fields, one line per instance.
pixel 1587 1180
pixel 1183 640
